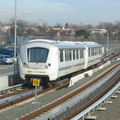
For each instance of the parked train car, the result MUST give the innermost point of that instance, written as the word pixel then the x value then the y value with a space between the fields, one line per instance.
pixel 48 60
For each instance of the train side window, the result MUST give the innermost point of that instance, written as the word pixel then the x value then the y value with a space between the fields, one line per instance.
pixel 100 50
pixel 68 55
pixel 89 50
pixel 81 53
pixel 92 51
pixel 97 51
pixel 65 55
pixel 77 56
pixel 74 54
pixel 61 55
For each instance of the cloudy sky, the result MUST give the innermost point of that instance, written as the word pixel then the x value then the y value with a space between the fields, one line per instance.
pixel 61 11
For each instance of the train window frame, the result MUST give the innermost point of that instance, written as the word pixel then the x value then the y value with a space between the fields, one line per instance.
pixel 81 53
pixel 77 54
pixel 97 51
pixel 89 52
pixel 68 55
pixel 61 55
pixel 92 51
pixel 74 54
pixel 43 59
pixel 100 50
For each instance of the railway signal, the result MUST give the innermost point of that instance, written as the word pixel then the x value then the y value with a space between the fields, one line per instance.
pixel 36 83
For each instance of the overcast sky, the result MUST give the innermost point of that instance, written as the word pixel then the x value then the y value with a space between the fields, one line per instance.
pixel 61 11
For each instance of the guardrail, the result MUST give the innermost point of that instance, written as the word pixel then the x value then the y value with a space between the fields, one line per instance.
pixel 11 88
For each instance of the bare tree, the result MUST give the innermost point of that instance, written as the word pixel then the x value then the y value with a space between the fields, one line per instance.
pixel 58 25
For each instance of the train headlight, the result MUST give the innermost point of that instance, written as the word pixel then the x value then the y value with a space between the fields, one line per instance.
pixel 46 67
pixel 25 65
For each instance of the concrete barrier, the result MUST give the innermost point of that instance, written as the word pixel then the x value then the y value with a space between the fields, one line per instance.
pixel 101 67
pixel 74 79
pixel 8 80
pixel 95 70
pixel 107 63
pixel 118 58
pixel 90 72
pixel 4 82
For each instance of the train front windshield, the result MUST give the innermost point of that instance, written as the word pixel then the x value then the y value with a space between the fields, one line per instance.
pixel 37 54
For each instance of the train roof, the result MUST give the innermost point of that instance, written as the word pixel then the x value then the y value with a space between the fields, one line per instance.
pixel 65 44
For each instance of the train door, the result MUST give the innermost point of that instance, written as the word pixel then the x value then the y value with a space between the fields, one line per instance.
pixel 82 58
pixel 62 63
pixel 66 60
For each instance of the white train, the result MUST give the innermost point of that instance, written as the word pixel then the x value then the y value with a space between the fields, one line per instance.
pixel 48 60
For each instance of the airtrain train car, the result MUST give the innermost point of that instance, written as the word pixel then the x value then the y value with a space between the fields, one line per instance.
pixel 49 60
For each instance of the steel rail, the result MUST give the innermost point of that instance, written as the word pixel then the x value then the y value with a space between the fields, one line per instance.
pixel 11 88
pixel 110 56
pixel 13 93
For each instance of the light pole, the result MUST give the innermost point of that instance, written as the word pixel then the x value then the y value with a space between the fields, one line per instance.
pixel 9 31
pixel 15 29
pixel 107 41
pixel 92 35
pixel 42 21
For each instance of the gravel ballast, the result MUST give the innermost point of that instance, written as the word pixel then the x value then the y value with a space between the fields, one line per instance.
pixel 112 111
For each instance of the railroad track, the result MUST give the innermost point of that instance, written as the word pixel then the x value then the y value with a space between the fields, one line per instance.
pixel 84 102
pixel 31 93
pixel 25 98
pixel 10 89
pixel 111 56
pixel 13 90
pixel 99 105
pixel 98 95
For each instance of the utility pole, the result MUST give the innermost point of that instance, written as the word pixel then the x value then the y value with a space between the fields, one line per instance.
pixel 15 29
pixel 107 41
